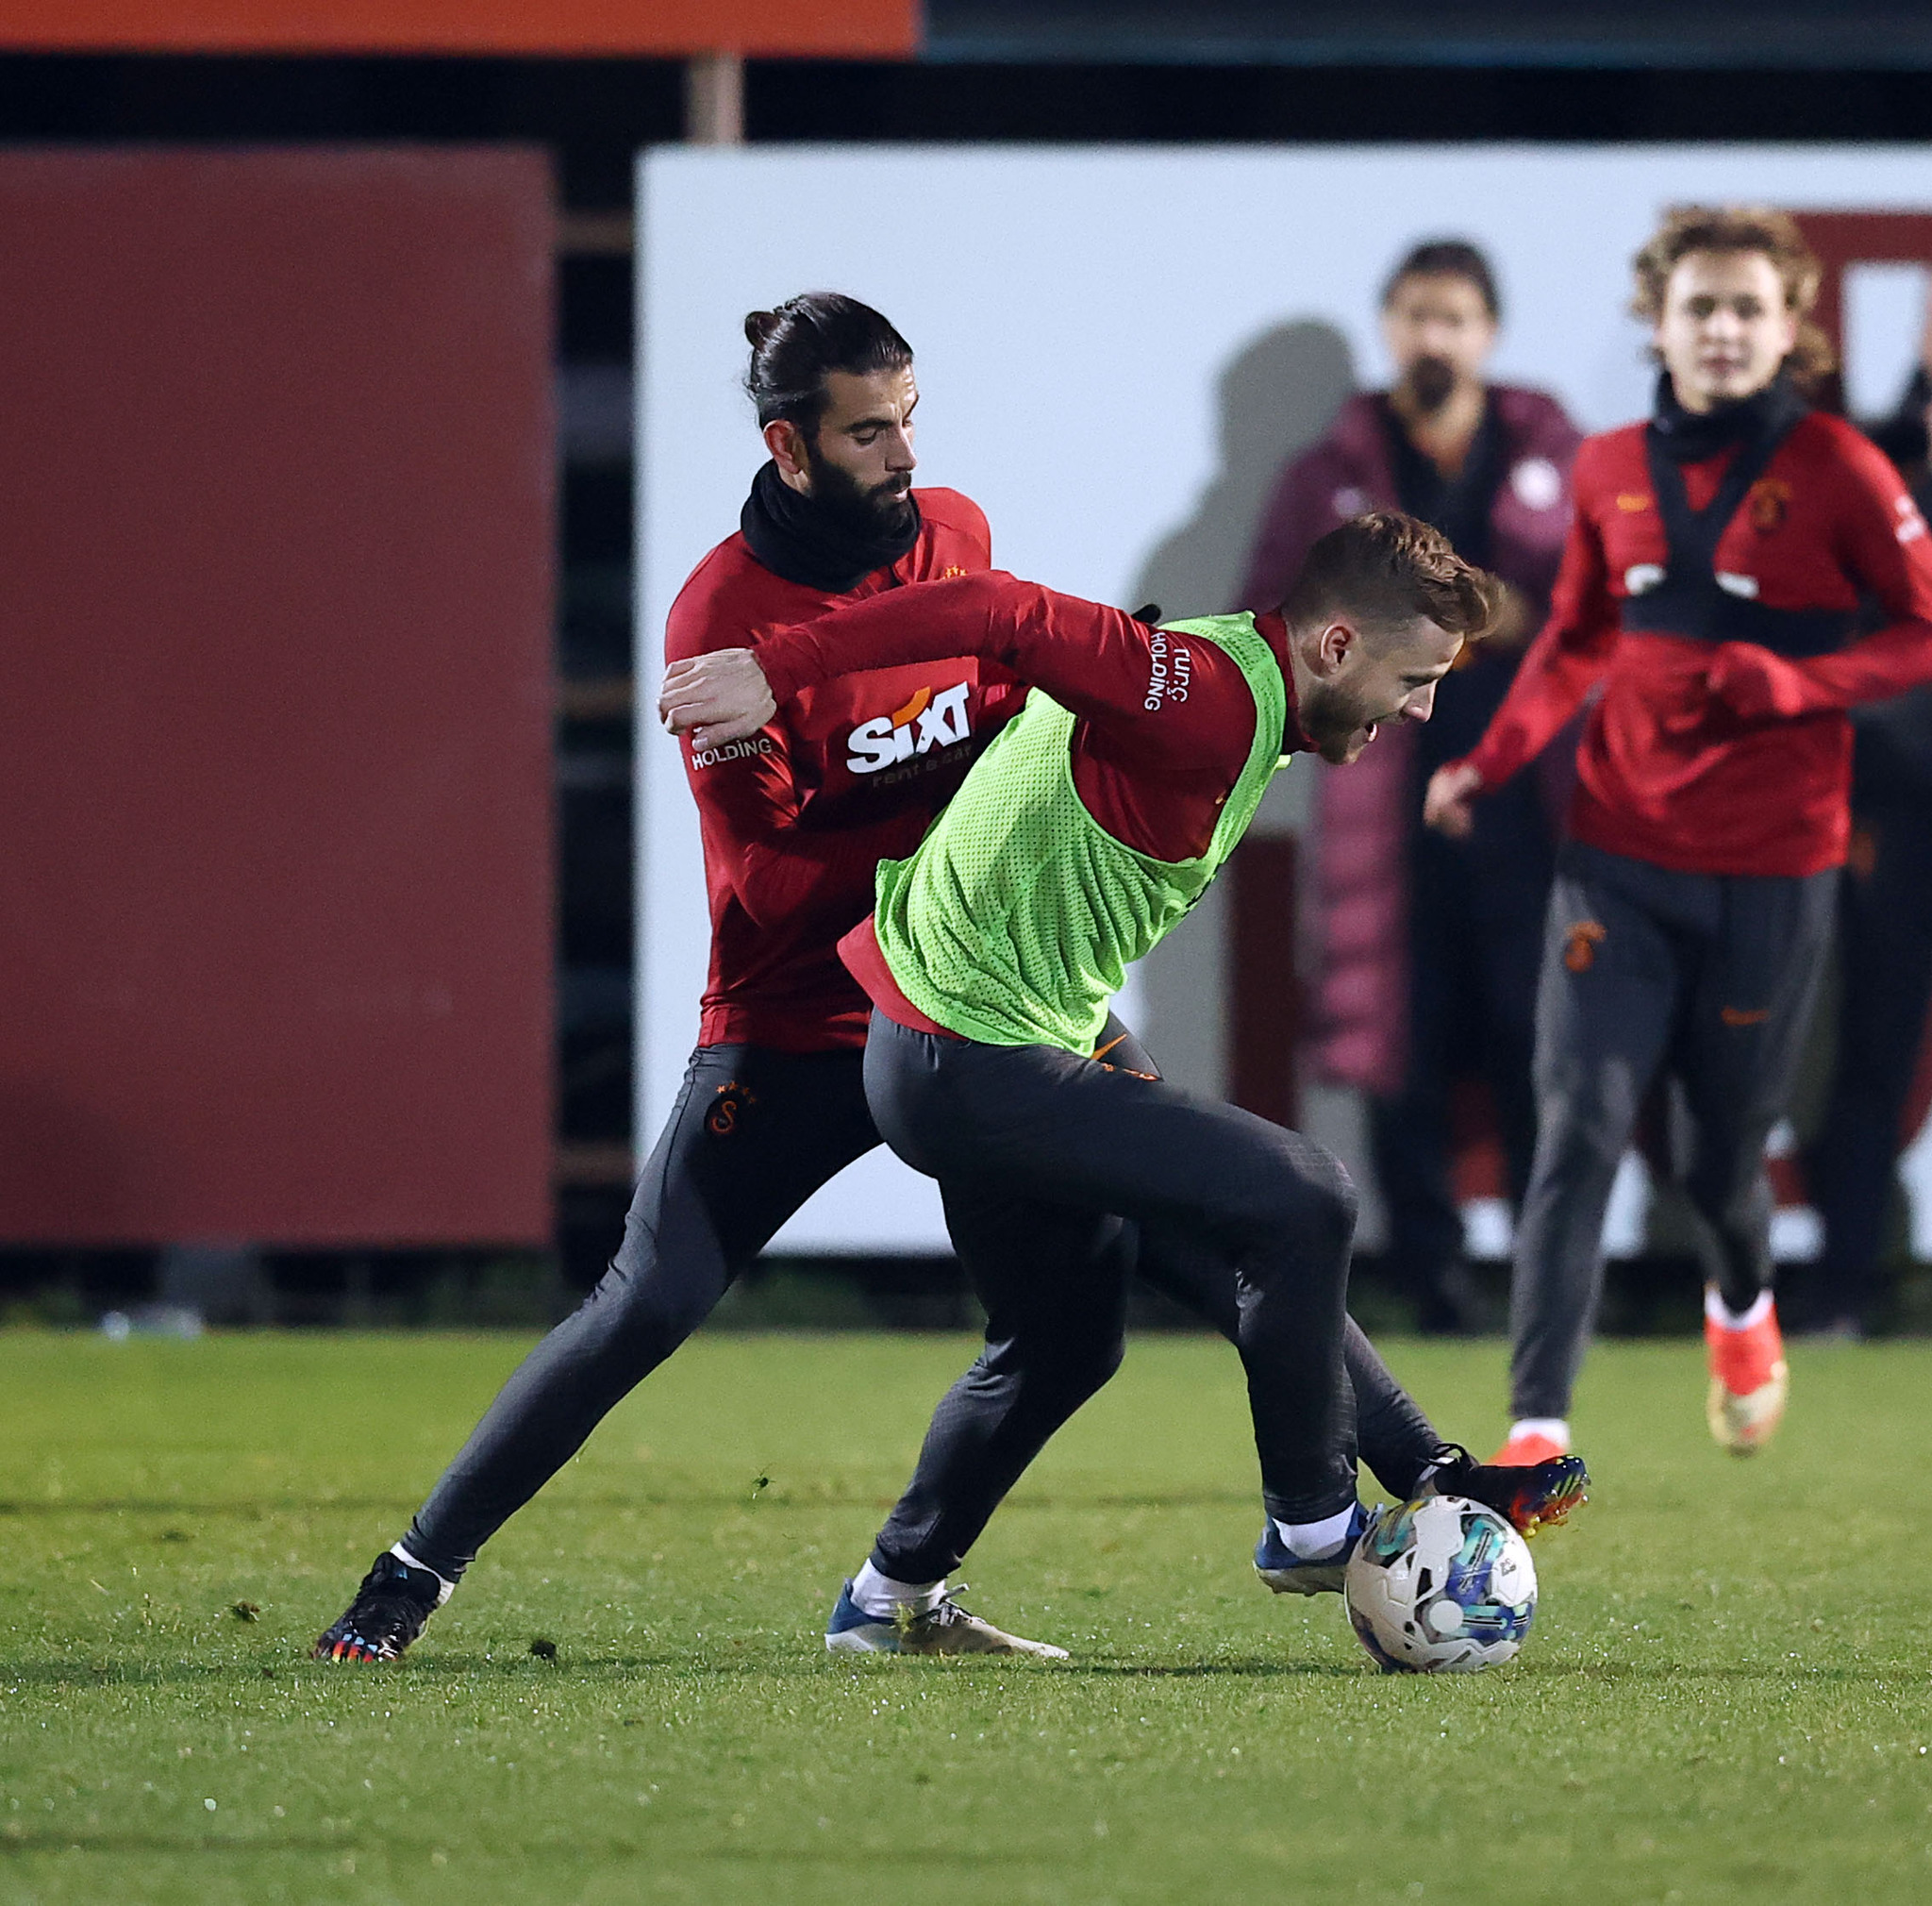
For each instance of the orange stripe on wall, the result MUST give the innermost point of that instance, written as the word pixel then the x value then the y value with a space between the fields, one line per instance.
pixel 831 27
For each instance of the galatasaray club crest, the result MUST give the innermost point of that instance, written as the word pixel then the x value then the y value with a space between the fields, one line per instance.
pixel 1579 953
pixel 729 1105
pixel 1769 501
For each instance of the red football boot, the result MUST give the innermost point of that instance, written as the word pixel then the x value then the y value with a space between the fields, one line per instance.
pixel 1749 1380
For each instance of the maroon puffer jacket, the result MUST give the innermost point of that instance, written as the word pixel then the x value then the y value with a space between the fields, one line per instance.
pixel 1360 888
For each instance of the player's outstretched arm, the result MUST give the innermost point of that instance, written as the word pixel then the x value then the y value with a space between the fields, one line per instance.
pixel 1565 661
pixel 1100 662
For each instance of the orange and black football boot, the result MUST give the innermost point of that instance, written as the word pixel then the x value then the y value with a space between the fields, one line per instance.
pixel 1530 1497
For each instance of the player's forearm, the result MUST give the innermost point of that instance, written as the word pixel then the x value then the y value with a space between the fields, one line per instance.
pixel 1097 662
pixel 1556 678
pixel 923 621
pixel 1883 665
pixel 1561 665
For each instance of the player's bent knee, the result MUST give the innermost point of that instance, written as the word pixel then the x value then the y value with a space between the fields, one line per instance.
pixel 1088 1367
pixel 645 1323
pixel 1318 1197
pixel 1581 1139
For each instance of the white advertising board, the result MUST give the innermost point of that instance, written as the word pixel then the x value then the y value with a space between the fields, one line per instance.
pixel 1116 349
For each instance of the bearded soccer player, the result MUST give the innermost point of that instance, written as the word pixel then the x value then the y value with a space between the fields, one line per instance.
pixel 1715 567
pixel 1085 833
pixel 796 818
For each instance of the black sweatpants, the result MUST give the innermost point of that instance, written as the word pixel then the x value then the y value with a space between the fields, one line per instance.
pixel 1705 979
pixel 753 1134
pixel 1475 929
pixel 1039 1154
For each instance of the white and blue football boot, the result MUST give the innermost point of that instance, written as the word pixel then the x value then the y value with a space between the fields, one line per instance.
pixel 1287 1574
pixel 945 1628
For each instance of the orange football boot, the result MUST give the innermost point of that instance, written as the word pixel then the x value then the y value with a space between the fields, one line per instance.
pixel 1749 1380
pixel 1525 1448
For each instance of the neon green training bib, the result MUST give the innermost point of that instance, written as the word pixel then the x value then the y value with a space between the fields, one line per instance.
pixel 1015 922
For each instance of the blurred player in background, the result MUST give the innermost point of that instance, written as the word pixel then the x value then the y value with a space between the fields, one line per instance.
pixel 795 819
pixel 1429 946
pixel 1081 837
pixel 1710 588
pixel 1885 954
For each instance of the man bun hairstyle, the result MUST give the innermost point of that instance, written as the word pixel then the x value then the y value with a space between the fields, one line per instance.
pixel 1384 571
pixel 1446 257
pixel 795 346
pixel 1689 229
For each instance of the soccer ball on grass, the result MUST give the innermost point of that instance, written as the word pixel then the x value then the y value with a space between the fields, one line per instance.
pixel 1441 1586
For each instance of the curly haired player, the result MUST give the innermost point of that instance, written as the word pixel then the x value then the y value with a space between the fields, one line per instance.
pixel 1709 589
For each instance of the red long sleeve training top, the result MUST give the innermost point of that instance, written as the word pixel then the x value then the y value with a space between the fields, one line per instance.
pixel 1723 758
pixel 796 818
pixel 1165 722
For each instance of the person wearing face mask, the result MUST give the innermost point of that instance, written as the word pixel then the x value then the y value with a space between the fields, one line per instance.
pixel 1710 596
pixel 1427 946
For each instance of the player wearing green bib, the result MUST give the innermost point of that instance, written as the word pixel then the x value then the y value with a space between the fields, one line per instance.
pixel 1078 841
pixel 1017 919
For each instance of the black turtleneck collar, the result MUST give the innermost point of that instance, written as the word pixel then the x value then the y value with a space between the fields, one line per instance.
pixel 803 542
pixel 1691 436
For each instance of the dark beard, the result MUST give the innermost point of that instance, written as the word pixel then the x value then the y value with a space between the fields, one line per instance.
pixel 1430 382
pixel 885 510
pixel 799 538
pixel 1329 718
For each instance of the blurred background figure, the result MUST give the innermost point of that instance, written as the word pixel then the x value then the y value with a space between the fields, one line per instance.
pixel 1885 955
pixel 1428 947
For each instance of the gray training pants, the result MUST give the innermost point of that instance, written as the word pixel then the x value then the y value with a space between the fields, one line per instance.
pixel 1707 979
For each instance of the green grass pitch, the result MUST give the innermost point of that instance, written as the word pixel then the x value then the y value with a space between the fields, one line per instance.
pixel 1725 1699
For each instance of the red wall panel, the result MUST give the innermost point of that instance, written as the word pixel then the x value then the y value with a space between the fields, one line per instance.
pixel 824 28
pixel 275 842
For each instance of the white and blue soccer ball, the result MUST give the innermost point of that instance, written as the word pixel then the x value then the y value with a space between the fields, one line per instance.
pixel 1442 1585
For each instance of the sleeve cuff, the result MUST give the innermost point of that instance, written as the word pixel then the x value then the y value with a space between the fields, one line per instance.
pixel 787 665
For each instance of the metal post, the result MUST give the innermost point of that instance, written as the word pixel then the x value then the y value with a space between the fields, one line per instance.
pixel 714 99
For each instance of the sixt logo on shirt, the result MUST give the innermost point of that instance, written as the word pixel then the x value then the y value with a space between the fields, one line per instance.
pixel 927 720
